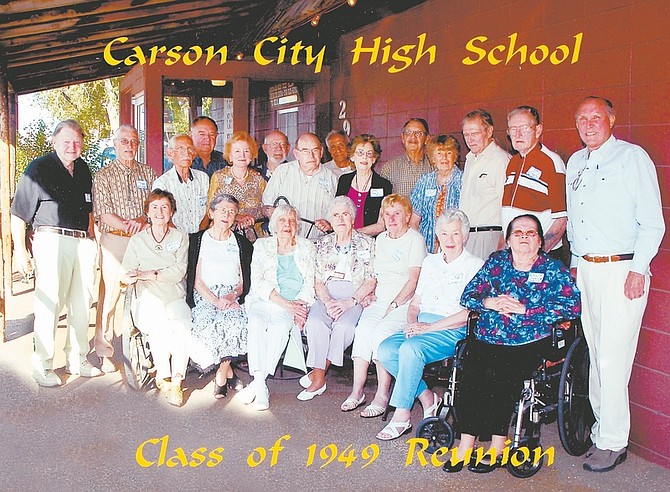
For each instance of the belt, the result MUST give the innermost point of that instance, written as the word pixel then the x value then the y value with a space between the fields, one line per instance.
pixel 64 232
pixel 117 232
pixel 485 228
pixel 607 259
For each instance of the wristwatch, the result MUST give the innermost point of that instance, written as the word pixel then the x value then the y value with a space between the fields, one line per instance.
pixel 394 305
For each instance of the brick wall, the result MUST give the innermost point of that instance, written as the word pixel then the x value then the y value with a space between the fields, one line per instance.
pixel 623 57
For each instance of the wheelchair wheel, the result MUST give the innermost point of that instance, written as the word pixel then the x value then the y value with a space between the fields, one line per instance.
pixel 521 463
pixel 437 431
pixel 137 362
pixel 575 416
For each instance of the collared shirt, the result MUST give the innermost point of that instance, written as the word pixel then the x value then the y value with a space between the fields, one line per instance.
pixel 614 203
pixel 535 184
pixel 424 200
pixel 121 190
pixel 360 253
pixel 403 173
pixel 311 195
pixel 483 181
pixel 339 171
pixel 47 195
pixel 547 291
pixel 216 162
pixel 441 284
pixel 262 168
pixel 190 195
pixel 248 193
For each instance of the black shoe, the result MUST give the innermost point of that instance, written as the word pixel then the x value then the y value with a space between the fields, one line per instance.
pixel 234 383
pixel 483 467
pixel 449 467
pixel 220 391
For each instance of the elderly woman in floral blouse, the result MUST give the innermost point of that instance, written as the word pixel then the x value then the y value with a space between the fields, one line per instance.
pixel 343 278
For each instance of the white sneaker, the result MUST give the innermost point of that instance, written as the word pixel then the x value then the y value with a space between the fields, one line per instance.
pixel 247 394
pixel 262 401
pixel 85 370
pixel 46 378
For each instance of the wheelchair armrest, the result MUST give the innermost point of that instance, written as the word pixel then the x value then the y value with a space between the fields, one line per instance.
pixel 473 318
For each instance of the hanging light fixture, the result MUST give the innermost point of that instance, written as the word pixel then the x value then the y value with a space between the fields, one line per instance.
pixel 352 3
pixel 239 56
pixel 315 20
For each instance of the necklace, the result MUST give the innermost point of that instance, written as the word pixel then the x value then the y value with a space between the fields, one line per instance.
pixel 242 178
pixel 365 186
pixel 158 246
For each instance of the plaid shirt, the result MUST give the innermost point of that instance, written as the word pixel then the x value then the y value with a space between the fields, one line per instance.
pixel 403 173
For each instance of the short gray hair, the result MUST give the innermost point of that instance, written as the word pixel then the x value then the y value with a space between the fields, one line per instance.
pixel 127 127
pixel 72 124
pixel 281 211
pixel 223 197
pixel 342 200
pixel 452 215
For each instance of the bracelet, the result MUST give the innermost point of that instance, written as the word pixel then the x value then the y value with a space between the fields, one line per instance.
pixel 155 274
pixel 356 301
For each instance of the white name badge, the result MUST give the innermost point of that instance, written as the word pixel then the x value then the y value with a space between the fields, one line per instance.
pixel 203 201
pixel 173 246
pixel 87 197
pixel 228 180
pixel 376 192
pixel 232 248
pixel 534 173
pixel 363 255
pixel 397 256
pixel 535 277
pixel 141 184
pixel 324 183
pixel 455 278
pixel 431 192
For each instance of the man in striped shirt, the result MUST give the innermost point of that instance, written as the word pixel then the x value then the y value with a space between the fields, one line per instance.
pixel 306 184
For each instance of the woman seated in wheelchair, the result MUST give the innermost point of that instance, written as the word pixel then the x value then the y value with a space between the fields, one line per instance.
pixel 282 289
pixel 155 262
pixel 218 279
pixel 436 322
pixel 344 277
pixel 519 292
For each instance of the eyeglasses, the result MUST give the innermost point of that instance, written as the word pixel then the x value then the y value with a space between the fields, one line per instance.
pixel 181 148
pixel 414 133
pixel 307 152
pixel 472 134
pixel 529 233
pixel 278 145
pixel 523 130
pixel 125 141
pixel 362 153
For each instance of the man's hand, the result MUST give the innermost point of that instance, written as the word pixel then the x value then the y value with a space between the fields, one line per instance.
pixel 133 226
pixel 323 225
pixel 634 286
pixel 244 221
pixel 23 263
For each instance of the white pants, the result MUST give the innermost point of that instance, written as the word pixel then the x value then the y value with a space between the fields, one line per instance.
pixel 373 328
pixel 64 277
pixel 269 329
pixel 110 311
pixel 482 244
pixel 611 324
pixel 168 327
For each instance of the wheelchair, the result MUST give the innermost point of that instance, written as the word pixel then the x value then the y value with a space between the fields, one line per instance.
pixel 138 365
pixel 557 391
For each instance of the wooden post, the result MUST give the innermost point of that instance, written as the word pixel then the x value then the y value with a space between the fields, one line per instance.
pixel 5 186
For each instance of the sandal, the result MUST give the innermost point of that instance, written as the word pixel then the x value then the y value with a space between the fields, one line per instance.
pixel 372 410
pixel 431 411
pixel 351 404
pixel 394 430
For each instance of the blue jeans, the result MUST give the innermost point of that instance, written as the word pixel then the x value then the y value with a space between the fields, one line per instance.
pixel 405 358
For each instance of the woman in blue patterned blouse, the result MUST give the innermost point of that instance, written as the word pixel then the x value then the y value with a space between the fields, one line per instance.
pixel 437 191
pixel 519 292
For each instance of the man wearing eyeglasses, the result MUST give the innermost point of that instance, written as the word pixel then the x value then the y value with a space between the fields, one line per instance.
pixel 119 191
pixel 535 182
pixel 276 148
pixel 615 227
pixel 189 186
pixel 306 184
pixel 204 132
pixel 405 170
pixel 483 182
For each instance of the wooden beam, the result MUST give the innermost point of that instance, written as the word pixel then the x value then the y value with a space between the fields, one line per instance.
pixel 5 234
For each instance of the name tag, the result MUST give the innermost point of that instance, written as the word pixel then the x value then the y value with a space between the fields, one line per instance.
pixel 455 278
pixel 535 277
pixel 534 173
pixel 173 246
pixel 324 183
pixel 141 184
pixel 363 255
pixel 87 197
pixel 203 201
pixel 397 256
pixel 431 192
pixel 337 276
pixel 232 248
pixel 376 192
pixel 228 180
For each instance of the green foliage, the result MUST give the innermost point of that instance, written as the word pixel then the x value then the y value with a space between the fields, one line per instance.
pixel 177 112
pixel 33 142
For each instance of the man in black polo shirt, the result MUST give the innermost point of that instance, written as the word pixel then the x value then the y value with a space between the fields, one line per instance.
pixel 54 195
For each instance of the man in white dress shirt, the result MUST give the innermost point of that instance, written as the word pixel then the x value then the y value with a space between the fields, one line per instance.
pixel 615 226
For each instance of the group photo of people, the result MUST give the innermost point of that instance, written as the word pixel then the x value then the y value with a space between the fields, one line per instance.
pixel 238 264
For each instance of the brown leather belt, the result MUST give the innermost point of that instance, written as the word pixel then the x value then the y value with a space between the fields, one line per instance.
pixel 117 232
pixel 63 231
pixel 485 228
pixel 607 259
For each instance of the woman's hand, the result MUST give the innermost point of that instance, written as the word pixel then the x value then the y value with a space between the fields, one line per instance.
pixel 505 305
pixel 367 300
pixel 226 302
pixel 244 221
pixel 414 329
pixel 335 308
pixel 299 311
